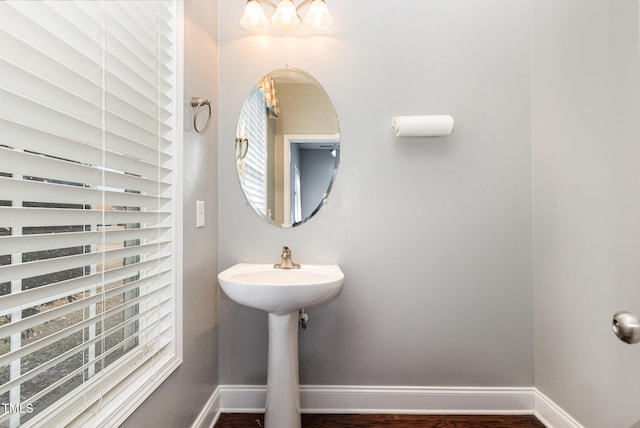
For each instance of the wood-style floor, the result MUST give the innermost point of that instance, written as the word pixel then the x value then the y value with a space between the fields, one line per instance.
pixel 254 420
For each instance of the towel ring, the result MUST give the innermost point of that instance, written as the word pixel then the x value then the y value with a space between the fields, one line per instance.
pixel 242 147
pixel 198 102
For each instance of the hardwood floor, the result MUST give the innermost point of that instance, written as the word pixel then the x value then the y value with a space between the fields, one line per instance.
pixel 255 420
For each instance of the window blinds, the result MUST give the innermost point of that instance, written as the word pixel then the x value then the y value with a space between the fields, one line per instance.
pixel 253 172
pixel 87 157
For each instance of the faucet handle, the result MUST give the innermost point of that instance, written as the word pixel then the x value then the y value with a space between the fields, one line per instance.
pixel 286 251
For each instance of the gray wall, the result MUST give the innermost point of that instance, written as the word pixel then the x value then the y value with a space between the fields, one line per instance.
pixel 181 398
pixel 587 205
pixel 434 236
pixel 316 169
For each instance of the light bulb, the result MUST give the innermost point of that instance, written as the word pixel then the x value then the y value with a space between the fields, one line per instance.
pixel 253 18
pixel 286 16
pixel 318 16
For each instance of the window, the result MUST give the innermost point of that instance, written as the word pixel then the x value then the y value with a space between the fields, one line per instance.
pixel 89 149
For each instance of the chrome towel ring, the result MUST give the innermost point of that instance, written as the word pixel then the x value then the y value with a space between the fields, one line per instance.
pixel 198 102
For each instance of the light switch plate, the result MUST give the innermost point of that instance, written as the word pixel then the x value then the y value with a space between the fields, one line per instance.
pixel 199 213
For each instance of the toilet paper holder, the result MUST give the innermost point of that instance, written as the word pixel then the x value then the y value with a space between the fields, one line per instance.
pixel 422 125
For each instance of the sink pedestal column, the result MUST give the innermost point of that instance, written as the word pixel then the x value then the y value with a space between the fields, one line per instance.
pixel 283 397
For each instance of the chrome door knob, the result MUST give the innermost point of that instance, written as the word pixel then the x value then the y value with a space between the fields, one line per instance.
pixel 626 326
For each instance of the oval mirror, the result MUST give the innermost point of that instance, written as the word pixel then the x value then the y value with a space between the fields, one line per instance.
pixel 287 147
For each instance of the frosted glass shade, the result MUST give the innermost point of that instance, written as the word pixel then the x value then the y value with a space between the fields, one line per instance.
pixel 286 16
pixel 318 16
pixel 254 18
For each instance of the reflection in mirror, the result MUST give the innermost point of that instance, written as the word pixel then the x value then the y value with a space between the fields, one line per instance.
pixel 287 147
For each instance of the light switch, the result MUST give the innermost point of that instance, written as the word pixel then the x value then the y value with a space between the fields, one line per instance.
pixel 199 213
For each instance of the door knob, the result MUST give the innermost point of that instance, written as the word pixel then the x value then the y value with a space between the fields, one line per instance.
pixel 626 326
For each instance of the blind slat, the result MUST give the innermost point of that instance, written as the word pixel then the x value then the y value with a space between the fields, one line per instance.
pixel 39 191
pixel 30 86
pixel 20 54
pixel 26 25
pixel 58 264
pixel 28 164
pixel 61 289
pixel 32 217
pixel 132 28
pixel 49 241
pixel 21 136
pixel 35 114
pixel 84 303
pixel 57 336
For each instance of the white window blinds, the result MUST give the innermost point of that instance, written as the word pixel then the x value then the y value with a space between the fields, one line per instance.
pixel 87 238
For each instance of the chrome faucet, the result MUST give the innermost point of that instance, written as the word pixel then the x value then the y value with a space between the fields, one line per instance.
pixel 286 262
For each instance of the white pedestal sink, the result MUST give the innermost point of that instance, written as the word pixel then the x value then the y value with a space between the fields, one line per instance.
pixel 281 293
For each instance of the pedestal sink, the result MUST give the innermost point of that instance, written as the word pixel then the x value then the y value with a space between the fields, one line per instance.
pixel 281 293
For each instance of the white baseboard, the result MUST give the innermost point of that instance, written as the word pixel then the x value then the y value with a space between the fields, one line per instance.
pixel 387 399
pixel 390 399
pixel 415 400
pixel 552 415
pixel 210 412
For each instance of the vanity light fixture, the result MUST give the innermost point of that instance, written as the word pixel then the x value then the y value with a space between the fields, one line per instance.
pixel 286 15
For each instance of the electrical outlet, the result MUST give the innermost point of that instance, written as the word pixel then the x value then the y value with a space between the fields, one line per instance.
pixel 199 213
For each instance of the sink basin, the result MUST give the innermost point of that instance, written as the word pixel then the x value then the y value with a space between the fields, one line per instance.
pixel 281 291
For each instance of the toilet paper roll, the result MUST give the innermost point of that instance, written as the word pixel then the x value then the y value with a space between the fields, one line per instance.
pixel 422 126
